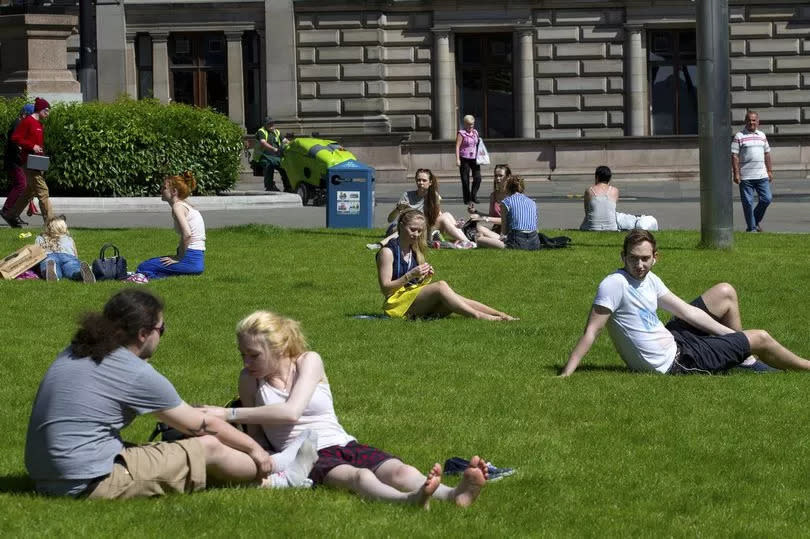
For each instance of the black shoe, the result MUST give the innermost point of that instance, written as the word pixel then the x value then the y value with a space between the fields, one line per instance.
pixel 13 222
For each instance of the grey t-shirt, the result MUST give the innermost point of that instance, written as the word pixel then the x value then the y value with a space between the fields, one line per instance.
pixel 80 407
pixel 66 245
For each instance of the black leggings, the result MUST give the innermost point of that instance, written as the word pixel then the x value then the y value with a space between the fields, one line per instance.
pixel 468 165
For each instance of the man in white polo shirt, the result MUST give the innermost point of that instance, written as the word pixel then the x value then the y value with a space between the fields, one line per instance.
pixel 704 337
pixel 751 162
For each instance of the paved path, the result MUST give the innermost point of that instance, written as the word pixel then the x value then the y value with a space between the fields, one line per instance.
pixel 676 205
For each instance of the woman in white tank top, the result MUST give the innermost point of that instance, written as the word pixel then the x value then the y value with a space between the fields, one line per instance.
pixel 188 222
pixel 284 392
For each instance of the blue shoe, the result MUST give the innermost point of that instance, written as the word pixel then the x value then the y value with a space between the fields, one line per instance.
pixel 495 474
pixel 759 367
pixel 457 465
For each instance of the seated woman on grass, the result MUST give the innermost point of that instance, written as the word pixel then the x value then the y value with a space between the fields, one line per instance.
pixel 188 222
pixel 404 278
pixel 284 389
pixel 426 199
pixel 62 258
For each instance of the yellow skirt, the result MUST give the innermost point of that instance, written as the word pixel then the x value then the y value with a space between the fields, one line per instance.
pixel 398 303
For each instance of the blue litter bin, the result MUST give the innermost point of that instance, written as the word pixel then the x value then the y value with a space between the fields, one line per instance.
pixel 350 195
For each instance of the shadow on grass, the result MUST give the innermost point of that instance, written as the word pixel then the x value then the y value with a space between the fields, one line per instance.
pixel 16 484
pixel 368 316
pixel 556 369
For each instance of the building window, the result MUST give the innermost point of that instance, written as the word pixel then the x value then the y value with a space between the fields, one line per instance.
pixel 673 81
pixel 198 70
pixel 143 59
pixel 253 88
pixel 484 63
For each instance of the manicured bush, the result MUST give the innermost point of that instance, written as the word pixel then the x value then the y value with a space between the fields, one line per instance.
pixel 9 111
pixel 126 148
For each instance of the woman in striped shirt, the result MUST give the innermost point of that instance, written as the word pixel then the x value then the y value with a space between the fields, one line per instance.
pixel 519 217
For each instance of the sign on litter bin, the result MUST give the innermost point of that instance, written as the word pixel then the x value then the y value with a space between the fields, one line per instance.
pixel 350 195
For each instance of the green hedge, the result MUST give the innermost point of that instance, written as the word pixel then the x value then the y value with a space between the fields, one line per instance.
pixel 126 148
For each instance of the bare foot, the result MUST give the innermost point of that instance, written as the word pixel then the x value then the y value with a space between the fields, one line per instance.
pixel 507 317
pixel 432 482
pixel 471 482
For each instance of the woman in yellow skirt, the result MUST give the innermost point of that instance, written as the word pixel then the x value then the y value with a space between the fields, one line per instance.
pixel 405 278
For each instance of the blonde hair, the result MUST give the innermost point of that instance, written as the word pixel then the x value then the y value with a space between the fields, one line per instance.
pixel 278 332
pixel 407 217
pixel 53 229
pixel 183 183
pixel 469 119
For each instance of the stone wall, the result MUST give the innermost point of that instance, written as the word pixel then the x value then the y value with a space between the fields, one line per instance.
pixel 770 66
pixel 369 67
pixel 579 72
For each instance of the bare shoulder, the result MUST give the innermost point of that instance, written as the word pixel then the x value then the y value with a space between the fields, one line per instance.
pixel 310 359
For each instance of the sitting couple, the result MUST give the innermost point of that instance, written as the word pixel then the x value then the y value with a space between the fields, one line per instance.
pixel 103 380
pixel 516 214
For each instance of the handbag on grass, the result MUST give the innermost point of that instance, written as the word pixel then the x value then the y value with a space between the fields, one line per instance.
pixel 112 268
pixel 481 153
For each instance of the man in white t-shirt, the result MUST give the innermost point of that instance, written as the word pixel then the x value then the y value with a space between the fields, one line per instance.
pixel 753 171
pixel 705 337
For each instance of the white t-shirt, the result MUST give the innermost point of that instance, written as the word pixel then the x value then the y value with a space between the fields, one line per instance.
pixel 640 338
pixel 751 147
pixel 319 416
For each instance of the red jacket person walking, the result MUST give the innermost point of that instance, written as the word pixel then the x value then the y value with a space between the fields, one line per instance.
pixel 29 135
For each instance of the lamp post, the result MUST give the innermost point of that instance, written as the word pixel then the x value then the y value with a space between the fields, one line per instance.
pixel 714 124
pixel 87 51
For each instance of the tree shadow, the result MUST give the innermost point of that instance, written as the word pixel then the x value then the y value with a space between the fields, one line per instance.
pixel 556 369
pixel 16 484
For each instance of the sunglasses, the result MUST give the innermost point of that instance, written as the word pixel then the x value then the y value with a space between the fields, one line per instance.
pixel 161 329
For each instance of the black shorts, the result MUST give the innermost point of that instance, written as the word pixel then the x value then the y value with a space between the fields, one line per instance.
pixel 701 353
pixel 354 454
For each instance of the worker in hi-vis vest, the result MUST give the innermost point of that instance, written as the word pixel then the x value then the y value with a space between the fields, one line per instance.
pixel 267 154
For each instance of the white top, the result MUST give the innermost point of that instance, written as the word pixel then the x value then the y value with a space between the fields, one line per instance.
pixel 640 338
pixel 196 226
pixel 319 416
pixel 751 147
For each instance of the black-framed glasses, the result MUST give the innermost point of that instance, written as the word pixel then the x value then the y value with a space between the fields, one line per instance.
pixel 161 329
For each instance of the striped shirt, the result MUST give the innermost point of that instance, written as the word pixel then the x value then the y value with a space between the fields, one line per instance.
pixel 522 212
pixel 751 147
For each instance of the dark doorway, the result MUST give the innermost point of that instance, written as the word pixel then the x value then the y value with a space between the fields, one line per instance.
pixel 485 82
pixel 198 69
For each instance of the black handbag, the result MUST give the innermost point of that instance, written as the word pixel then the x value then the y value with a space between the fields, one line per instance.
pixel 112 268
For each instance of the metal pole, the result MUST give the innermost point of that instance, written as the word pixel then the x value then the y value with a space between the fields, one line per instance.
pixel 87 51
pixel 714 125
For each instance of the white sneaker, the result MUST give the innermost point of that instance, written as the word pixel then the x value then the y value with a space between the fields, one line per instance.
pixel 373 246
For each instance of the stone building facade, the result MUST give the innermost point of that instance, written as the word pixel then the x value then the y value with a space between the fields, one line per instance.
pixel 558 86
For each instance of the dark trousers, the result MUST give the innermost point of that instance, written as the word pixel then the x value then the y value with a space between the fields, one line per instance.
pixel 467 166
pixel 17 181
pixel 269 171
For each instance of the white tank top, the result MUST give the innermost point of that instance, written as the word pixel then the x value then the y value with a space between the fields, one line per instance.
pixel 319 416
pixel 196 226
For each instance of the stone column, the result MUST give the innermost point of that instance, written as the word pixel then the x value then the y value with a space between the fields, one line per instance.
pixel 131 69
pixel 236 78
pixel 33 56
pixel 281 78
pixel 636 81
pixel 445 76
pixel 160 66
pixel 524 89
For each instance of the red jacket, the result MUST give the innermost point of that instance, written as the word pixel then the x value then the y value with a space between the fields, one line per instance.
pixel 27 135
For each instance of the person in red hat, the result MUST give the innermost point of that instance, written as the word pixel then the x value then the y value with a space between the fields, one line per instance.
pixel 29 135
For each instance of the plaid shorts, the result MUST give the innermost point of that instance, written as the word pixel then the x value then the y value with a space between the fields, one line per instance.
pixel 354 454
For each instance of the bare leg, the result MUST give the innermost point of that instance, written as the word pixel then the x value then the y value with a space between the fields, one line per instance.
pixel 404 477
pixel 447 225
pixel 774 354
pixel 439 299
pixel 227 464
pixel 488 238
pixel 366 484
pixel 478 306
pixel 723 303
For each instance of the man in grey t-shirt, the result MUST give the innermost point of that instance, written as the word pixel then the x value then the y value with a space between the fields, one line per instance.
pixel 100 383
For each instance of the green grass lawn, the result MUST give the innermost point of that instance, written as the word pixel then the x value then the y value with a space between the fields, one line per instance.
pixel 605 452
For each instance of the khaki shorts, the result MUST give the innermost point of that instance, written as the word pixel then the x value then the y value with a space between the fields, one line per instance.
pixel 154 470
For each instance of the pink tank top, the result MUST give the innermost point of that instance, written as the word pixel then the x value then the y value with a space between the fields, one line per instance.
pixel 469 144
